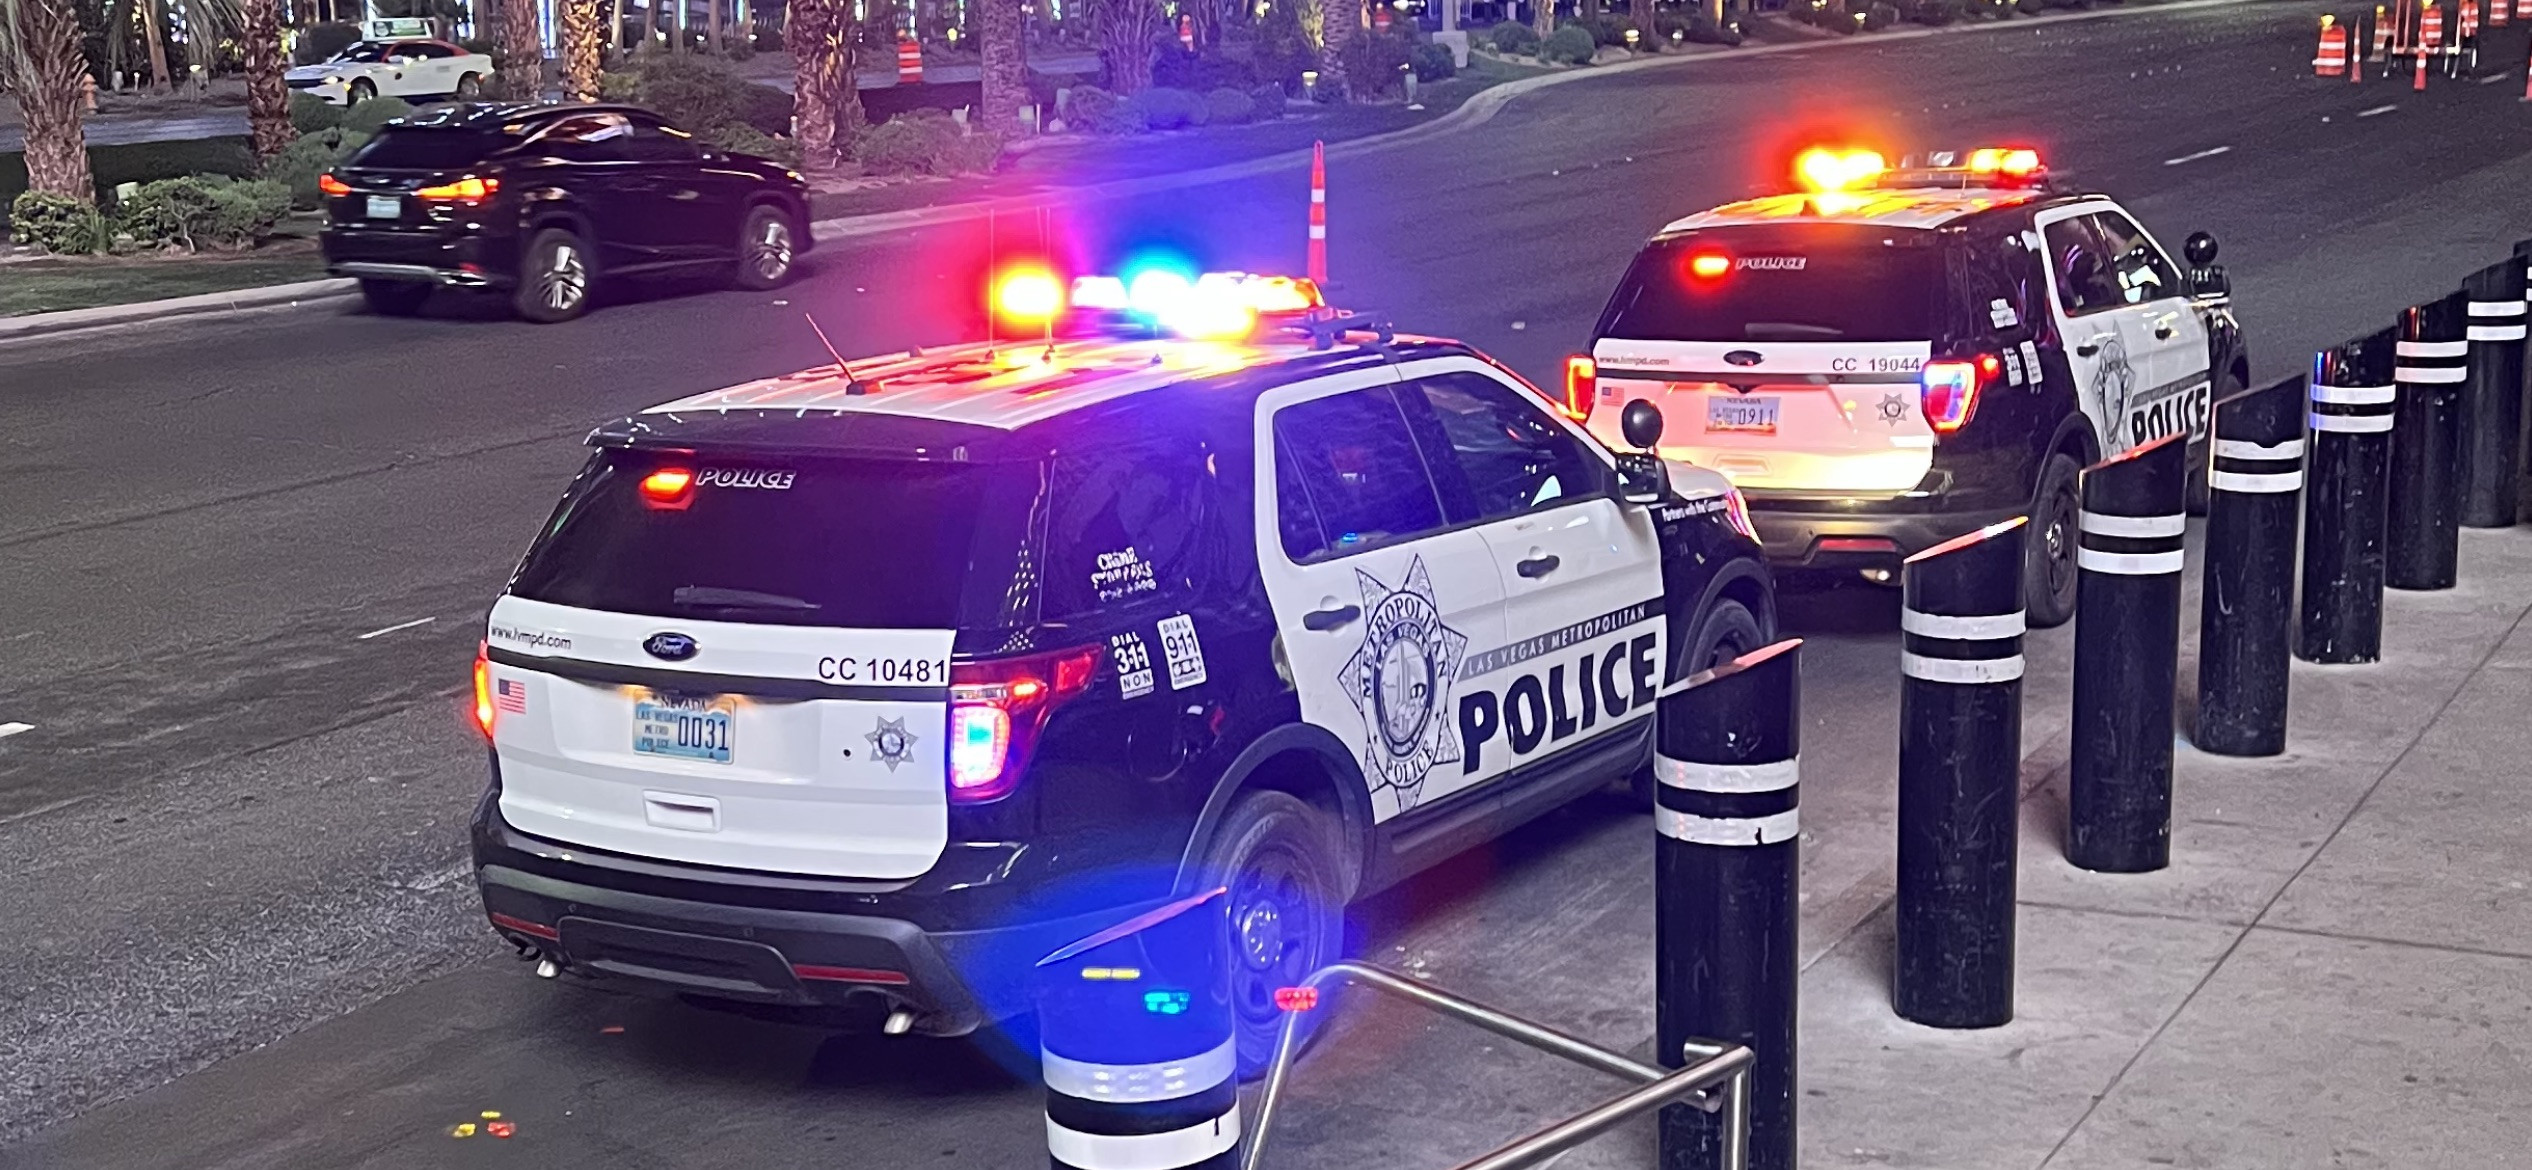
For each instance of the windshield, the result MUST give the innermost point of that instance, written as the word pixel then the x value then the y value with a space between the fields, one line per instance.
pixel 871 544
pixel 1817 282
pixel 362 52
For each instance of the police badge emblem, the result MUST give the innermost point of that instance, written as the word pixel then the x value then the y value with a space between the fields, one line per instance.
pixel 891 743
pixel 1400 681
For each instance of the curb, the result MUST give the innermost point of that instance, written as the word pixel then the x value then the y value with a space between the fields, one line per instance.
pixel 238 300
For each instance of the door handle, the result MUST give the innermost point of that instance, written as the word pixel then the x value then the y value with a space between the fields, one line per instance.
pixel 2163 331
pixel 2091 345
pixel 1323 620
pixel 1538 566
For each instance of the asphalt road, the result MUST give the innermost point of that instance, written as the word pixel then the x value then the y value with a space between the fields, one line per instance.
pixel 238 814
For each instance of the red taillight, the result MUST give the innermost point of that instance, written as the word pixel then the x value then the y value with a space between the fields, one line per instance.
pixel 667 487
pixel 523 926
pixel 1709 265
pixel 329 185
pixel 996 710
pixel 1949 391
pixel 1582 383
pixel 466 190
pixel 483 687
pixel 851 974
pixel 1296 999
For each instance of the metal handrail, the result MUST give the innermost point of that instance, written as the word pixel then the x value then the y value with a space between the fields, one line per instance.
pixel 1726 1064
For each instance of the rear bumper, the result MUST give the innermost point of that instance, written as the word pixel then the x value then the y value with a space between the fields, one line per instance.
pixel 1857 534
pixel 463 260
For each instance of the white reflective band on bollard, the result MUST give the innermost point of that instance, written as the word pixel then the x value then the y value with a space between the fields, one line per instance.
pixel 2356 395
pixel 1149 1151
pixel 2432 349
pixel 1690 776
pixel 2431 375
pixel 1961 671
pixel 2139 527
pixel 1963 629
pixel 2497 308
pixel 2512 332
pixel 1134 1084
pixel 2352 424
pixel 2128 564
pixel 2245 449
pixel 1771 829
pixel 2262 483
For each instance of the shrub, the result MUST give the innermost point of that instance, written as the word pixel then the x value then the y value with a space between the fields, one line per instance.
pixel 1698 28
pixel 1570 45
pixel 1880 16
pixel 926 142
pixel 1267 104
pixel 1607 30
pixel 1373 62
pixel 1164 108
pixel 1097 111
pixel 1201 72
pixel 205 210
pixel 1432 62
pixel 310 113
pixel 1513 36
pixel 1232 107
pixel 745 139
pixel 696 91
pixel 1934 12
pixel 321 42
pixel 307 157
pixel 57 224
pixel 366 117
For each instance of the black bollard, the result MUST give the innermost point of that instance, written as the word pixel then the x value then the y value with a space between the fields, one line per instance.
pixel 2422 547
pixel 2247 602
pixel 2492 396
pixel 2127 659
pixel 1140 1058
pixel 2346 508
pixel 1727 926
pixel 1960 777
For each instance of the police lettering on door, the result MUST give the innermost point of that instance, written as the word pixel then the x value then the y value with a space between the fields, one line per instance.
pixel 1571 681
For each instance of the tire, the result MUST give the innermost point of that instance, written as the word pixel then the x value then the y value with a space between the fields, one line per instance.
pixel 556 274
pixel 394 298
pixel 362 90
pixel 470 87
pixel 1278 857
pixel 1726 632
pixel 768 245
pixel 2048 550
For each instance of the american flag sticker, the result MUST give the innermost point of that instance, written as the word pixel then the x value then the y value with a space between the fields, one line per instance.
pixel 510 694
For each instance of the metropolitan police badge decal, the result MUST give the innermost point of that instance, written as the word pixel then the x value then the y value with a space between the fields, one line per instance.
pixel 891 743
pixel 1400 681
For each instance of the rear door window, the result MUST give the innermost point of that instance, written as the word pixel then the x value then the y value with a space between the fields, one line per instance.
pixel 413 148
pixel 1816 282
pixel 1126 525
pixel 863 543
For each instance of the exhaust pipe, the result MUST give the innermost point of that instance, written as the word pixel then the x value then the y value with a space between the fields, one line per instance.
pixel 899 1022
pixel 547 968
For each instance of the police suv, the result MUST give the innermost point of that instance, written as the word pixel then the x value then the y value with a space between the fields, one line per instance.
pixel 875 683
pixel 1894 358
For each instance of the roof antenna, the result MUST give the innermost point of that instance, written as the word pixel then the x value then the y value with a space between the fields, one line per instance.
pixel 1046 244
pixel 852 385
pixel 993 265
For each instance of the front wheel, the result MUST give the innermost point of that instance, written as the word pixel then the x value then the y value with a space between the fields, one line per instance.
pixel 554 277
pixel 2048 549
pixel 1727 631
pixel 1278 858
pixel 362 90
pixel 470 87
pixel 767 247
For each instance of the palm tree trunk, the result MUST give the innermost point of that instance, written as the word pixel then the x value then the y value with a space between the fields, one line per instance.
pixel 1128 32
pixel 615 30
pixel 712 26
pixel 582 50
pixel 156 38
pixel 1344 20
pixel 267 99
pixel 826 104
pixel 1001 33
pixel 45 67
pixel 522 73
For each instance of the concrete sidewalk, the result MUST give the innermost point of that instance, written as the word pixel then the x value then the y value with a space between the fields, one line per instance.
pixel 2335 971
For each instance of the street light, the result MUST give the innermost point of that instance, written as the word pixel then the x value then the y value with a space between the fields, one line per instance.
pixel 1310 84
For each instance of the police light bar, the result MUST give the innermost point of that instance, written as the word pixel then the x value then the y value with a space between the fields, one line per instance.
pixel 1823 169
pixel 1986 166
pixel 1214 304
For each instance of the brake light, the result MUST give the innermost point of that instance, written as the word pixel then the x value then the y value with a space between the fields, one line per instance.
pixel 329 185
pixel 997 708
pixel 483 688
pixel 667 487
pixel 1582 383
pixel 1949 391
pixel 464 190
pixel 1709 265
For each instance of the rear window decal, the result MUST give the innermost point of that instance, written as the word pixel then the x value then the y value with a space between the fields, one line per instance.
pixel 1122 574
pixel 1771 263
pixel 1183 652
pixel 2013 367
pixel 1134 665
pixel 2001 315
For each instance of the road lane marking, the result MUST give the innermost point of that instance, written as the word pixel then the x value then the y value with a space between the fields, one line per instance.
pixel 398 626
pixel 2494 78
pixel 2377 110
pixel 9 729
pixel 2210 152
pixel 41 809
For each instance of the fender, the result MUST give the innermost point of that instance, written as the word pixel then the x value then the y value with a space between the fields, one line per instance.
pixel 2075 430
pixel 1353 796
pixel 1739 569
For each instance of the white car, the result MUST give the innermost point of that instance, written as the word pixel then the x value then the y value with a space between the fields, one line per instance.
pixel 399 69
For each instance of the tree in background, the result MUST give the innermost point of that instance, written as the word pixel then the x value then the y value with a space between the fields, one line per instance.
pixel 1342 20
pixel 1001 35
pixel 41 61
pixel 826 105
pixel 1642 11
pixel 267 99
pixel 584 50
pixel 522 56
pixel 1129 32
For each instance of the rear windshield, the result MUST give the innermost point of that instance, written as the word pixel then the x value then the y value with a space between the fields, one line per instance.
pixel 1821 282
pixel 873 544
pixel 416 148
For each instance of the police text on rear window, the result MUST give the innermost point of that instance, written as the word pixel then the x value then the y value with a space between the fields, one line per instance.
pixel 1813 282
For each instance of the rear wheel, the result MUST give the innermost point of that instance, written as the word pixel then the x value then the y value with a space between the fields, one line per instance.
pixel 362 90
pixel 470 87
pixel 554 277
pixel 394 298
pixel 767 246
pixel 2048 550
pixel 1278 858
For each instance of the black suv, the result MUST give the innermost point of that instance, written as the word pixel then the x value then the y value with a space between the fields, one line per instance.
pixel 543 201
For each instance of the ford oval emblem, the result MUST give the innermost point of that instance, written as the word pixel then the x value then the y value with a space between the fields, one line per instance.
pixel 671 646
pixel 1743 357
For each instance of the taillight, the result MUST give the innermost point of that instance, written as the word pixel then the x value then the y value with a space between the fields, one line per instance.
pixel 329 185
pixel 1736 510
pixel 1949 392
pixel 467 190
pixel 483 687
pixel 1582 383
pixel 997 707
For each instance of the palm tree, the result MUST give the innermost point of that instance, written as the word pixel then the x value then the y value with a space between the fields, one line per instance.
pixel 522 63
pixel 1001 34
pixel 40 59
pixel 1129 31
pixel 267 99
pixel 1341 20
pixel 583 51
pixel 826 104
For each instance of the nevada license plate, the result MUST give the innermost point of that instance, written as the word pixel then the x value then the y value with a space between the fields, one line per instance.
pixel 687 728
pixel 1756 415
pixel 386 207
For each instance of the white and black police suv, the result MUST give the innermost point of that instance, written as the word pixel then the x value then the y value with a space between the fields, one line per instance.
pixel 876 683
pixel 1895 358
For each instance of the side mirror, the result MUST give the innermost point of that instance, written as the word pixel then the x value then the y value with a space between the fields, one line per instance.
pixel 1642 479
pixel 1641 424
pixel 2199 249
pixel 2206 278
